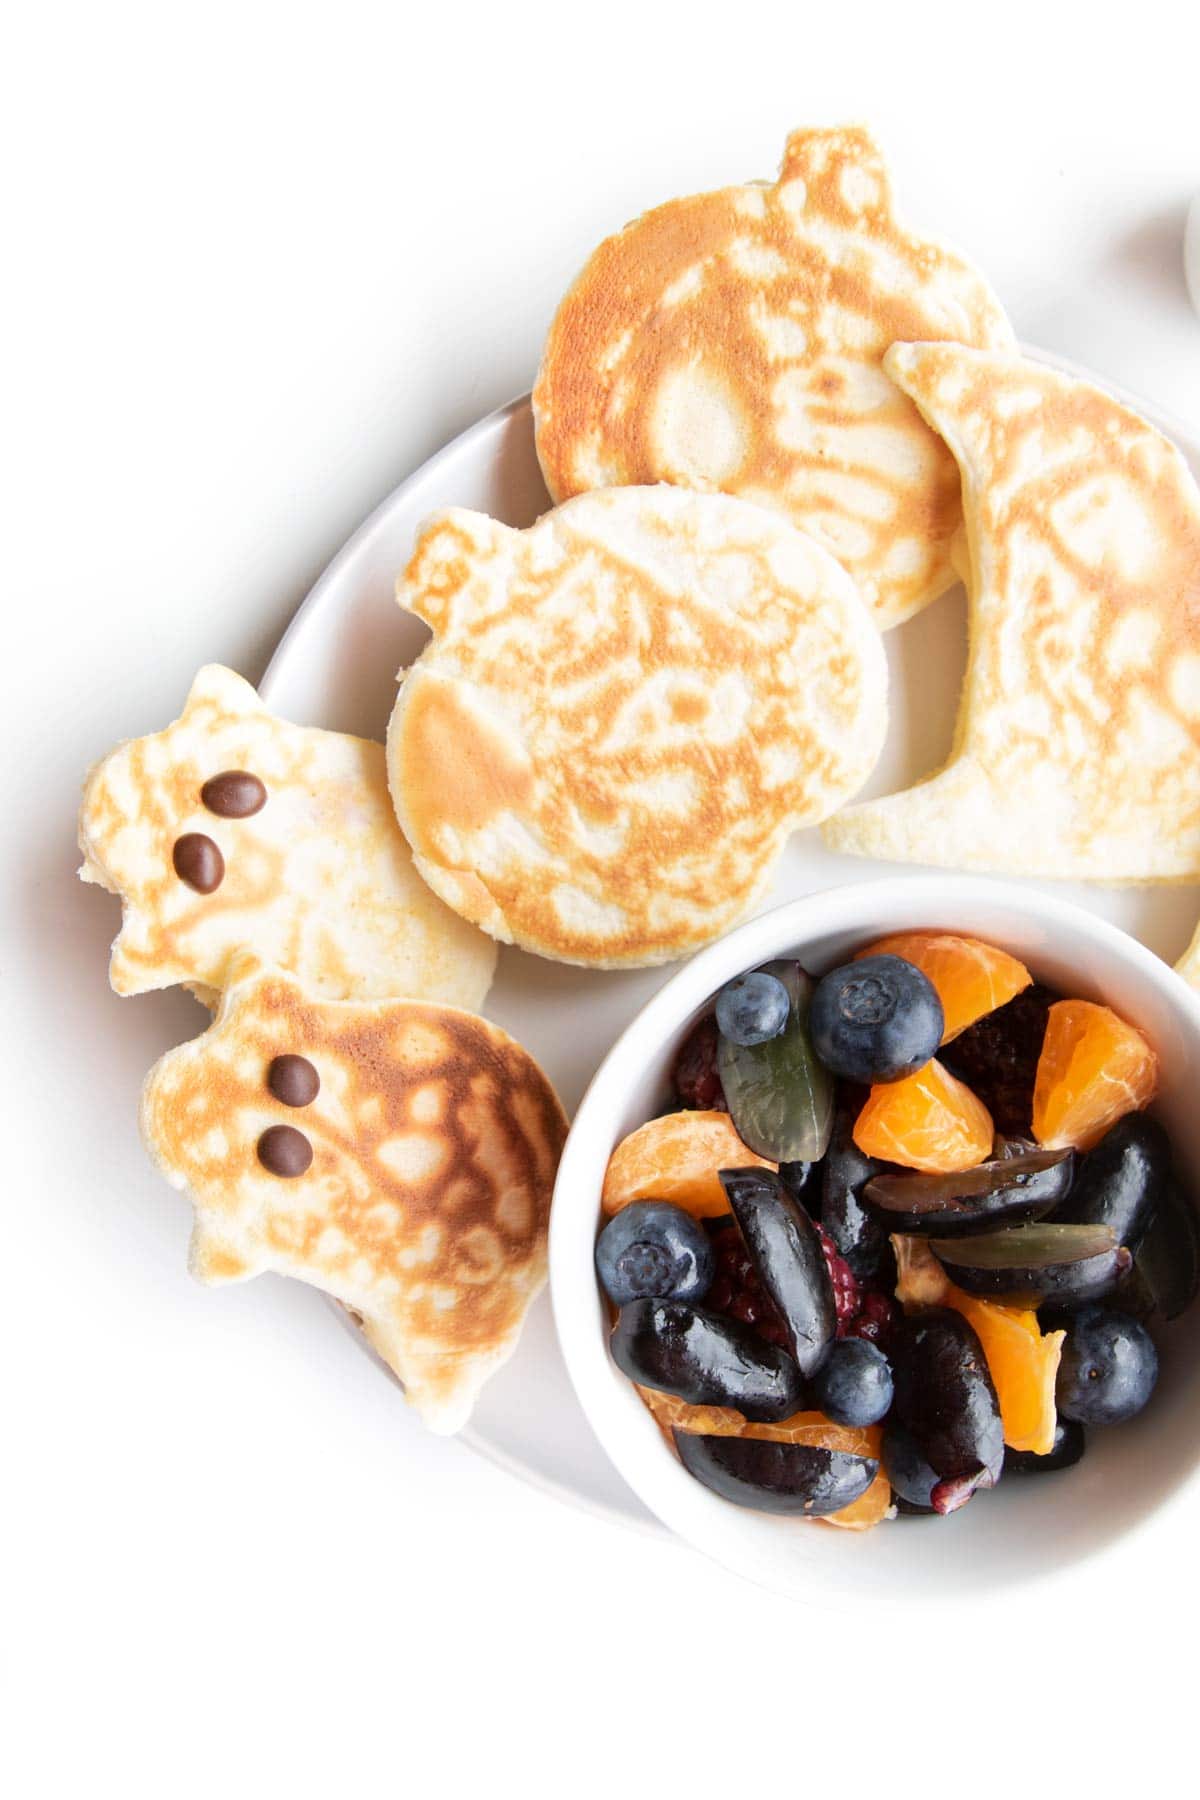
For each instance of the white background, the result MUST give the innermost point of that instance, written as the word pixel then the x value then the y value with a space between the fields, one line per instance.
pixel 261 260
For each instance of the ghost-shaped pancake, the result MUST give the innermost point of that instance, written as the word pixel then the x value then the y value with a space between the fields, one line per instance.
pixel 398 1155
pixel 1077 750
pixel 733 341
pixel 233 831
pixel 624 711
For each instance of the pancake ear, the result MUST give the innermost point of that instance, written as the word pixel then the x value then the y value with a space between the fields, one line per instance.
pixel 218 686
pixel 451 549
pixel 839 168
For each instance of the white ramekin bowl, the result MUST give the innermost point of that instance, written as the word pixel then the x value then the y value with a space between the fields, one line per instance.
pixel 1026 1527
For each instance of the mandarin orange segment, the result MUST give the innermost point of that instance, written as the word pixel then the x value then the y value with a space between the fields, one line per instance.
pixel 972 978
pixel 673 1414
pixel 1022 1361
pixel 677 1158
pixel 1023 1365
pixel 1093 1069
pixel 929 1121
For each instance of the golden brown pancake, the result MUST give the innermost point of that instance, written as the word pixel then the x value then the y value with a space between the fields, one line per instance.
pixel 733 341
pixel 290 834
pixel 402 1160
pixel 1077 750
pixel 623 713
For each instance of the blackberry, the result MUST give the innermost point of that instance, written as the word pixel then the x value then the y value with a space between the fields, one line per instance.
pixel 846 1292
pixel 695 1074
pixel 875 1318
pixel 997 1057
pixel 737 1291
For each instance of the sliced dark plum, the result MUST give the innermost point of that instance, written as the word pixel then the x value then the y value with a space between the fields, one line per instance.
pixel 785 1248
pixel 1167 1261
pixel 1067 1450
pixel 1010 1189
pixel 856 1232
pixel 779 1478
pixel 946 1400
pixel 705 1359
pixel 1121 1181
pixel 1067 1265
pixel 779 1097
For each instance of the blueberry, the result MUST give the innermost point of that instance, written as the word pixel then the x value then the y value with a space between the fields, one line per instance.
pixel 910 1475
pixel 853 1386
pixel 652 1250
pixel 876 1020
pixel 1108 1369
pixel 752 1009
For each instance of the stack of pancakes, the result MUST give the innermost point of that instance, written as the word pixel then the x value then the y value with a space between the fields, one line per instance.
pixel 775 423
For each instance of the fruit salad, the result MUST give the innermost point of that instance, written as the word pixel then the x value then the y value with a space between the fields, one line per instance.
pixel 909 1229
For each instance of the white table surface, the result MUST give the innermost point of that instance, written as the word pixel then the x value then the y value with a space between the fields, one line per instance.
pixel 260 266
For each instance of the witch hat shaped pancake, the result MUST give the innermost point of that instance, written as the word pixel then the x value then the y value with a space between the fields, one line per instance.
pixel 398 1155
pixel 732 341
pixel 1077 750
pixel 234 830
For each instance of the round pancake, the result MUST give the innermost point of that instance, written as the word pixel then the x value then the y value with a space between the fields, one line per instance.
pixel 432 1141
pixel 733 341
pixel 623 712
pixel 312 873
pixel 1077 750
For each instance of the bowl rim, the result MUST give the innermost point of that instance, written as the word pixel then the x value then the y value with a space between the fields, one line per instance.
pixel 639 1454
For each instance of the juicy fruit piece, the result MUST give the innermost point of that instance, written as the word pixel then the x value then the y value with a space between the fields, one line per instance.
pixel 1093 1070
pixel 1167 1261
pixel 737 1291
pixel 947 1399
pixel 847 1295
pixel 1021 1358
pixel 997 1057
pixel 855 1233
pixel 811 1428
pixel 875 1320
pixel 798 1479
pixel 872 1507
pixel 752 1008
pixel 1121 1180
pixel 1108 1370
pixel 854 1384
pixel 875 1020
pixel 929 1121
pixel 972 978
pixel 910 1475
pixel 1006 1190
pixel 695 1074
pixel 676 1158
pixel 1068 1264
pixel 704 1359
pixel 786 1250
pixel 1023 1363
pixel 779 1096
pixel 1065 1451
pixel 653 1250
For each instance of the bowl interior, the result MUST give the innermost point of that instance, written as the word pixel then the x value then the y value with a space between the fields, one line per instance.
pixel 1025 1527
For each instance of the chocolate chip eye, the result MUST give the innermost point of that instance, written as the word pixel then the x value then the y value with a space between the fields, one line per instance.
pixel 234 794
pixel 198 861
pixel 284 1151
pixel 293 1080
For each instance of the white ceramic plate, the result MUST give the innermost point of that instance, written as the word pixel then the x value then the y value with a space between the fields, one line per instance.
pixel 336 666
